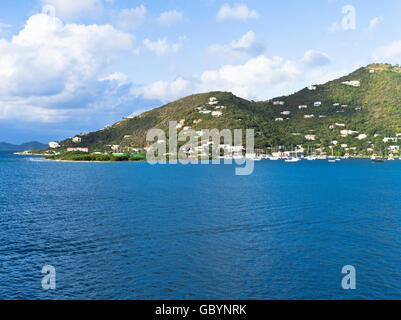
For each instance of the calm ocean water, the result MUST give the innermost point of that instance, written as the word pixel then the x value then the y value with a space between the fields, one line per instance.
pixel 135 231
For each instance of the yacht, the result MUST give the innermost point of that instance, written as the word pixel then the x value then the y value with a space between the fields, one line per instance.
pixel 377 159
pixel 293 159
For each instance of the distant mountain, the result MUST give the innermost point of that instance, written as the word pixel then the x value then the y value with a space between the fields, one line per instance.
pixel 351 113
pixel 25 146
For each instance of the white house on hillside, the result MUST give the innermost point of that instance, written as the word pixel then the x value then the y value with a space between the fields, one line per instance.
pixel 54 145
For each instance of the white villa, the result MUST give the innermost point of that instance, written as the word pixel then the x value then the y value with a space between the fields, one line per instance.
pixel 54 145
pixel 217 113
pixel 317 104
pixel 213 101
pixel 309 116
pixel 76 139
pixel 77 149
pixel 352 83
pixel 286 113
pixel 310 137
pixel 385 140
pixel 362 136
pixel 347 132
pixel 303 106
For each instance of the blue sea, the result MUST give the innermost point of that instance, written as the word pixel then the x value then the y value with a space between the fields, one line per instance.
pixel 136 231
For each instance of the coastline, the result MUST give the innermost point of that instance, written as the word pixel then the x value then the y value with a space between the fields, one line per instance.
pixel 31 154
pixel 115 161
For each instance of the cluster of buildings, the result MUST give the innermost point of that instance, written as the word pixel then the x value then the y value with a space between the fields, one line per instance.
pixel 214 105
pixel 86 150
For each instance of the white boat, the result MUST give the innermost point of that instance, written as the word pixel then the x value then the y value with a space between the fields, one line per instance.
pixel 273 158
pixel 375 158
pixel 332 160
pixel 311 158
pixel 253 157
pixel 293 160
pixel 338 159
pixel 390 158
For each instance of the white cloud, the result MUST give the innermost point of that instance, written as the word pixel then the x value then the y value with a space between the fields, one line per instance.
pixel 374 22
pixel 239 12
pixel 119 77
pixel 245 79
pixel 51 67
pixel 247 44
pixel 131 18
pixel 258 78
pixel 390 53
pixel 166 91
pixel 313 58
pixel 23 110
pixel 161 47
pixel 170 17
pixel 72 8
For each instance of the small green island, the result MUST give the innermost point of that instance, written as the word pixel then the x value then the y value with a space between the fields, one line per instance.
pixel 96 157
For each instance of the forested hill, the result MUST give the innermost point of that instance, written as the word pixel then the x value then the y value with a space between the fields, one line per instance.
pixel 355 111
pixel 4 146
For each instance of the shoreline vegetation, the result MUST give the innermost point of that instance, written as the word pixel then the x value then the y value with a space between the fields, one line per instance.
pixel 110 158
pixel 81 157
pixel 85 157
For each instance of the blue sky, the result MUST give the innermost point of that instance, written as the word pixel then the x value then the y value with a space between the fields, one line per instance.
pixel 75 66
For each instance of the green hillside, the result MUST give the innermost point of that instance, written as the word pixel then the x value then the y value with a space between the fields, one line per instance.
pixel 371 105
